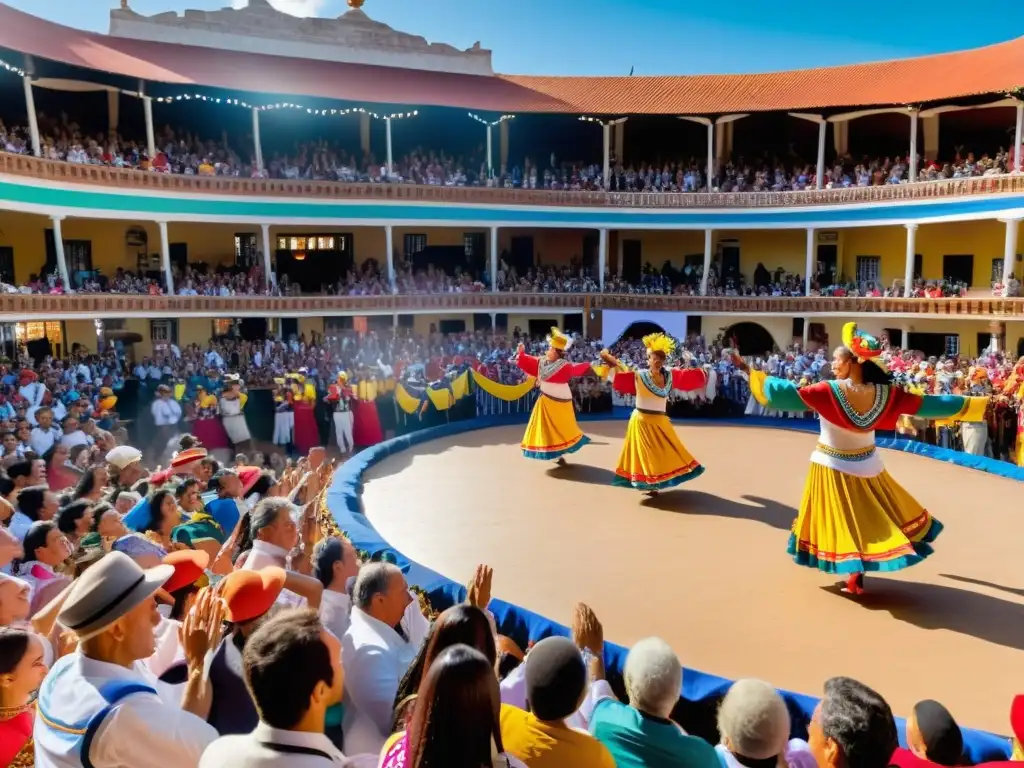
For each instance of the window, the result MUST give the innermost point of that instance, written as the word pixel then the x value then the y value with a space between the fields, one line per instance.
pixel 415 244
pixel 26 332
pixel 222 326
pixel 245 249
pixel 303 243
pixel 78 254
pixel 163 332
pixel 952 345
pixel 868 270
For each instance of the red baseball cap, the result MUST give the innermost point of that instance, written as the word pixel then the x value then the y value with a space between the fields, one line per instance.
pixel 250 594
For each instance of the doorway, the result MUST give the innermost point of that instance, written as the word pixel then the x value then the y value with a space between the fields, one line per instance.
pixel 178 253
pixel 828 262
pixel 7 264
pixel 632 260
pixel 958 268
pixel 730 264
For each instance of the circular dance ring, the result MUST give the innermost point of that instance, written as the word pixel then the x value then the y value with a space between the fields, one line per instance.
pixel 705 566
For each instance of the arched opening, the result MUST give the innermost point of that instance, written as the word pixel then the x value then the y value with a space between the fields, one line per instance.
pixel 639 329
pixel 751 338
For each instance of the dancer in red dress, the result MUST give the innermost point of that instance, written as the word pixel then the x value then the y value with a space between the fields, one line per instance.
pixel 366 428
pixel 307 434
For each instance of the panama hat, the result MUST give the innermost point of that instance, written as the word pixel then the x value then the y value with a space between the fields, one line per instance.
pixel 110 589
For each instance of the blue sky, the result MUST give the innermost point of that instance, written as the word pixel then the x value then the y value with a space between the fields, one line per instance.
pixel 608 37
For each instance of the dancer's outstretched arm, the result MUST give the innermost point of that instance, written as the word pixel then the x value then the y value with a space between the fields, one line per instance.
pixel 772 392
pixel 949 408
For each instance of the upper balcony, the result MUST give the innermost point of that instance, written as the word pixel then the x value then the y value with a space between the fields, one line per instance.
pixel 127 180
pixel 21 307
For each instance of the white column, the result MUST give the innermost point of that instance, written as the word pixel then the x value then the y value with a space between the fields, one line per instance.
pixel 165 256
pixel 256 139
pixel 268 270
pixel 494 320
pixel 364 133
pixel 810 261
pixel 494 258
pixel 147 110
pixel 490 155
pixel 394 320
pixel 602 255
pixel 807 332
pixel 711 154
pixel 822 128
pixel 707 263
pixel 913 145
pixel 58 246
pixel 618 256
pixel 389 245
pixel 33 123
pixel 908 274
pixel 503 144
pixel 620 140
pixel 387 128
pixel 113 110
pixel 606 129
pixel 1017 138
pixel 1010 248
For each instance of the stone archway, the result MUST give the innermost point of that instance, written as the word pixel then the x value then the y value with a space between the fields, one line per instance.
pixel 751 338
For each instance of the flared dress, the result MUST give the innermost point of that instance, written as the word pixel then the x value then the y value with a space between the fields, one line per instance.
pixel 854 517
pixel 552 431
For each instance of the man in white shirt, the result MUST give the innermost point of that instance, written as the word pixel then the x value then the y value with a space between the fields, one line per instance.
pixel 73 435
pixel 45 434
pixel 102 698
pixel 166 415
pixel 375 656
pixel 35 502
pixel 292 667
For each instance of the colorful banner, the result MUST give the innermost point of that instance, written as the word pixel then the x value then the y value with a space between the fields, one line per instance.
pixel 442 395
pixel 506 392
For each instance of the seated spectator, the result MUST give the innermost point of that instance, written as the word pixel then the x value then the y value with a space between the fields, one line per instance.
pixel 22 667
pixel 933 737
pixel 754 726
pixel 15 606
pixel 640 733
pixel 75 521
pixel 34 503
pixel 112 610
pixel 335 565
pixel 852 727
pixel 375 655
pixel 556 685
pixel 46 549
pixel 456 719
pixel 292 668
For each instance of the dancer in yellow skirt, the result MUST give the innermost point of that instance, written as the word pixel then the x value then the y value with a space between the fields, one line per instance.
pixel 552 432
pixel 854 517
pixel 653 458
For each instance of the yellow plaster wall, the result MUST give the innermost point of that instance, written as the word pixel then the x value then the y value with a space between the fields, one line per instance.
pixel 550 246
pixel 780 328
pixel 24 233
pixel 194 330
pixel 143 348
pixel 80 332
pixel 659 246
pixel 785 248
pixel 307 325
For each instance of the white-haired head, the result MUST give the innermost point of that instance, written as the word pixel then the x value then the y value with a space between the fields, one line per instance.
pixel 753 720
pixel 653 677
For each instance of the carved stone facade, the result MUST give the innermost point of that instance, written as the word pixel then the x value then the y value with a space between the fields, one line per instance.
pixel 352 38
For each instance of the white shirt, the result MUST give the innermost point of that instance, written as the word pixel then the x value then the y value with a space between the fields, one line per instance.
pixel 141 730
pixel 20 523
pixel 375 659
pixel 165 412
pixel 513 693
pixel 336 607
pixel 249 751
pixel 78 437
pixel 42 440
pixel 264 554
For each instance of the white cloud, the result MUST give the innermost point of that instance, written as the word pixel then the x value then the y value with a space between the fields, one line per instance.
pixel 294 7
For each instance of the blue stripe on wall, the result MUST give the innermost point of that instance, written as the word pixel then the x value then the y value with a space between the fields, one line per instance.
pixel 443 213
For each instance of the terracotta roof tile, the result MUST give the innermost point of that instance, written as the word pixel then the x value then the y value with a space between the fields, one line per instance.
pixel 992 69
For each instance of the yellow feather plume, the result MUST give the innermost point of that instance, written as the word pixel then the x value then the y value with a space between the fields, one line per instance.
pixel 660 342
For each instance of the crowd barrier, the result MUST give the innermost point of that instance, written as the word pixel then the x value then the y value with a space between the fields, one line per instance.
pixel 701 691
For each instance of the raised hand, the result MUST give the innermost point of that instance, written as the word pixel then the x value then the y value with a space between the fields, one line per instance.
pixel 201 630
pixel 479 590
pixel 587 632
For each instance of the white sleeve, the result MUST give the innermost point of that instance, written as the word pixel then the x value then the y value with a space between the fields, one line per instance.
pixel 371 681
pixel 513 687
pixel 144 732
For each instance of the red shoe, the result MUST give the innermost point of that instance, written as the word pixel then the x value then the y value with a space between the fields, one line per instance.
pixel 854 584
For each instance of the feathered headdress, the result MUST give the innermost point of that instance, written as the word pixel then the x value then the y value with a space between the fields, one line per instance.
pixel 660 342
pixel 559 340
pixel 863 346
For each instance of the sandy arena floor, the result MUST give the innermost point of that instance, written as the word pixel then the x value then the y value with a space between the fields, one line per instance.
pixel 705 566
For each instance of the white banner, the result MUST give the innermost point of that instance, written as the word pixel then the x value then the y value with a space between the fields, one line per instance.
pixel 615 322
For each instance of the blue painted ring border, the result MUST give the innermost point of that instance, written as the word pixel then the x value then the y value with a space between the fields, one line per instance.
pixel 344 499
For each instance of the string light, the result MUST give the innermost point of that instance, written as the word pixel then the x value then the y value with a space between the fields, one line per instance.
pixel 325 112
pixel 489 123
pixel 11 68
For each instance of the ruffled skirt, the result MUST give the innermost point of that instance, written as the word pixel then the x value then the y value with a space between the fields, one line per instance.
pixel 653 457
pixel 552 431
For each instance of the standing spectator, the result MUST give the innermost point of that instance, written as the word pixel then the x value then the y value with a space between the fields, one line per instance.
pixel 640 733
pixel 121 713
pixel 852 727
pixel 293 670
pixel 556 685
pixel 335 565
pixel 375 655
pixel 45 433
pixel 166 415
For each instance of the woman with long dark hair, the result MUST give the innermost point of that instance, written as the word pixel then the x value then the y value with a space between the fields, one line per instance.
pixel 457 719
pixel 93 483
pixel 59 476
pixel 461 624
pixel 854 517
pixel 22 668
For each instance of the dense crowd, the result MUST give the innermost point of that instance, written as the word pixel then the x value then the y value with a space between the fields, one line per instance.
pixel 211 614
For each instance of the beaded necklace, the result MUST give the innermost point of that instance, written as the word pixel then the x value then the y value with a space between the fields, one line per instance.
pixel 867 419
pixel 648 381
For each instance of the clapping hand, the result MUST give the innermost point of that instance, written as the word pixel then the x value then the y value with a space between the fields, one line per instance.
pixel 587 632
pixel 479 591
pixel 201 630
